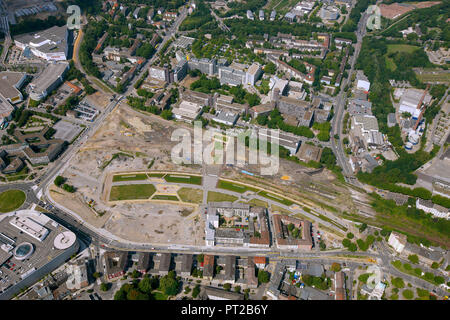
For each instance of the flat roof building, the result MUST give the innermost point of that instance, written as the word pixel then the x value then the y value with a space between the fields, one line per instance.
pixel 10 85
pixel 309 152
pixel 48 80
pixel 115 263
pixel 51 44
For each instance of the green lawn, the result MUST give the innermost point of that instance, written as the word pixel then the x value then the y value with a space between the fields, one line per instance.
pixel 11 200
pixel 165 197
pixel 132 192
pixel 236 187
pixel 130 177
pixel 401 48
pixel 177 178
pixel 191 195
pixel 217 197
pixel 276 198
pixel 390 64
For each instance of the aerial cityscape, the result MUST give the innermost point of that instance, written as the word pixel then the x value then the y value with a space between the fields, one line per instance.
pixel 249 150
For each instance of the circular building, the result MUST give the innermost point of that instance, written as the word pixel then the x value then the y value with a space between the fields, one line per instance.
pixel 64 240
pixel 23 251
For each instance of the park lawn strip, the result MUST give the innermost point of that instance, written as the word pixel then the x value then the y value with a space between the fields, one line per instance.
pixel 191 195
pixel 258 203
pixel 276 198
pixel 236 187
pixel 11 200
pixel 165 197
pixel 130 177
pixel 155 175
pixel 178 178
pixel 132 192
pixel 275 208
pixel 218 197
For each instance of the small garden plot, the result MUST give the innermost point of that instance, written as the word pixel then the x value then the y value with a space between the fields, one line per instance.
pixel 234 187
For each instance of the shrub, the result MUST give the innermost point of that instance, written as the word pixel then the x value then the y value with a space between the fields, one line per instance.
pixel 413 258
pixel 398 283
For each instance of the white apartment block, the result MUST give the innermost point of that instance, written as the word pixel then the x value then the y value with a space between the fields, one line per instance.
pixel 397 241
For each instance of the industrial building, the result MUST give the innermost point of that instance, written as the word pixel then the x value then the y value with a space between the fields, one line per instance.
pixel 48 80
pixel 31 246
pixel 51 44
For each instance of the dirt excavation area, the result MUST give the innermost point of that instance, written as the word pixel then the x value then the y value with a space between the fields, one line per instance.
pixel 126 141
pixel 157 223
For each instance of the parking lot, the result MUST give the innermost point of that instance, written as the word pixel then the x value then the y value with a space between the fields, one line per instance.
pixel 66 130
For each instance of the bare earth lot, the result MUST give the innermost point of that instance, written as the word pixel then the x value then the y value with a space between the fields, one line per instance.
pixel 156 223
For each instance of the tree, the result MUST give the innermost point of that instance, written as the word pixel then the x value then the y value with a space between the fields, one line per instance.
pixel 398 283
pixel 408 294
pixel 196 291
pixel 350 235
pixel 346 243
pixel 135 274
pixel 413 258
pixel 435 265
pixel 363 227
pixel 104 286
pixel 133 294
pixel 166 114
pixel 270 68
pixel 352 247
pixel 59 181
pixel 169 285
pixel 237 289
pixel 439 280
pixel 120 295
pixel 96 275
pixel 227 286
pixel 263 276
pixel 68 188
pixel 145 285
pixel 336 267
